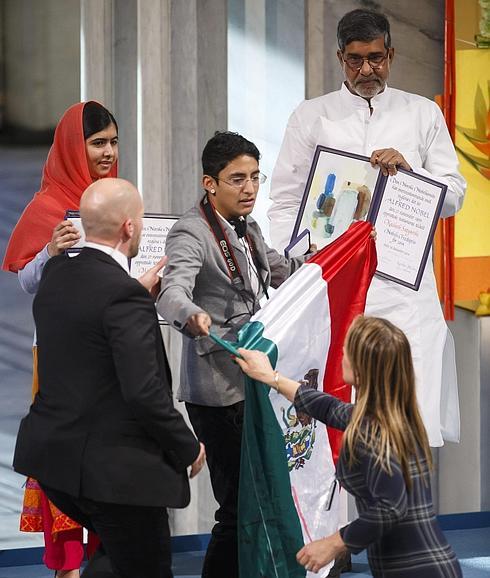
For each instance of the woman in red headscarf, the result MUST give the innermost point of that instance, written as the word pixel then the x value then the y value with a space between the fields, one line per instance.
pixel 84 150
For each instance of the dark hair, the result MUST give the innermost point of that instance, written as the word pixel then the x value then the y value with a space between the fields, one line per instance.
pixel 96 118
pixel 224 147
pixel 364 26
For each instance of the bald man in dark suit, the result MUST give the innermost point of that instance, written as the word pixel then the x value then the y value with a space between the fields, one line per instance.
pixel 102 436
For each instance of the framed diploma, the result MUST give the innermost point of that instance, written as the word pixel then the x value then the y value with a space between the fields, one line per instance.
pixel 343 187
pixel 152 244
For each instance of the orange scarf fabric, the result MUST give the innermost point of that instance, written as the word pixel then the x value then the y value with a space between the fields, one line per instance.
pixel 65 176
pixel 35 505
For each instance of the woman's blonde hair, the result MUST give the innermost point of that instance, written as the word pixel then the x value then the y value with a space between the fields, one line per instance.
pixel 385 418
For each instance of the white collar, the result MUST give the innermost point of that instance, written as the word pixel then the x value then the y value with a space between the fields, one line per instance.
pixel 224 220
pixel 119 257
pixel 360 102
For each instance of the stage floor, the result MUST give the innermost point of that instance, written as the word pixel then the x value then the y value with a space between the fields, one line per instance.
pixel 471 546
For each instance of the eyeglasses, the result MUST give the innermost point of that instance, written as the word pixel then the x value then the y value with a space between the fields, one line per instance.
pixel 240 182
pixel 375 61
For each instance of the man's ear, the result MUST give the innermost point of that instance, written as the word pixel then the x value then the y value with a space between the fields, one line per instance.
pixel 127 229
pixel 339 57
pixel 391 54
pixel 209 184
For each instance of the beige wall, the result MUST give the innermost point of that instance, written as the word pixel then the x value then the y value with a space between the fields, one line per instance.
pixel 466 21
pixel 42 61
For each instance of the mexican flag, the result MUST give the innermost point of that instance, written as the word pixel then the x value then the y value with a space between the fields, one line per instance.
pixel 288 495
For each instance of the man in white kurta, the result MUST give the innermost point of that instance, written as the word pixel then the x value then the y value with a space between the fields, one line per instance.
pixel 393 128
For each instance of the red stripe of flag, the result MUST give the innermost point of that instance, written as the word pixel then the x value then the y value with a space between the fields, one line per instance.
pixel 348 265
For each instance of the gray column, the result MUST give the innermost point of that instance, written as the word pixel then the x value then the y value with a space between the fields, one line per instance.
pixel 161 67
pixel 182 106
pixel 315 48
pixel 124 83
pixel 153 105
pixel 109 48
pixel 96 43
pixel 198 90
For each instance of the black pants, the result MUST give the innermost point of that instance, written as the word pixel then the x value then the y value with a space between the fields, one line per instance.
pixel 220 430
pixel 136 539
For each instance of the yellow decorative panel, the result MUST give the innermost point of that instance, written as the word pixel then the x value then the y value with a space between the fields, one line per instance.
pixel 472 238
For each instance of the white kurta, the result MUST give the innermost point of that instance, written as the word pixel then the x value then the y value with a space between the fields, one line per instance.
pixel 415 127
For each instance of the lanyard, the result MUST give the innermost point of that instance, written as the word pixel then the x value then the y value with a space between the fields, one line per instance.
pixel 226 249
pixel 224 244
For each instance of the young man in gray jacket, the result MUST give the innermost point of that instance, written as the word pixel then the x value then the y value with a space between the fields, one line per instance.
pixel 219 269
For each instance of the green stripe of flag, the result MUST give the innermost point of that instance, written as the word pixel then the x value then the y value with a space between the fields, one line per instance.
pixel 269 530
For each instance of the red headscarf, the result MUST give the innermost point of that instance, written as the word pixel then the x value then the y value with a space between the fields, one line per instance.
pixel 65 176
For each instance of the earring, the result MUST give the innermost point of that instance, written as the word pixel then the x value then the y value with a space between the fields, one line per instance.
pixel 213 191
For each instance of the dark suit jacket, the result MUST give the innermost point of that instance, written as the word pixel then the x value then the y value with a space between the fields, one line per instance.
pixel 103 424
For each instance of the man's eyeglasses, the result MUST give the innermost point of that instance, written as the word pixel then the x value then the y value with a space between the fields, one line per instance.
pixel 375 61
pixel 240 182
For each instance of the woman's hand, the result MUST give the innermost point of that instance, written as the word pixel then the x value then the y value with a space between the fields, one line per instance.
pixel 256 365
pixel 319 553
pixel 65 235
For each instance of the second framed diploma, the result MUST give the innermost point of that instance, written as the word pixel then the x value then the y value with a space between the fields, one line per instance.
pixel 405 215
pixel 152 243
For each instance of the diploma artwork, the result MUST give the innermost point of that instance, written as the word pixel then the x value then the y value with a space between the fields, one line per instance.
pixel 404 208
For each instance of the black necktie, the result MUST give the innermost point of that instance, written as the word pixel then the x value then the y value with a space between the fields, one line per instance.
pixel 240 225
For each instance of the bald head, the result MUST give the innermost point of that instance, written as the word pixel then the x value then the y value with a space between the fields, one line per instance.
pixel 110 210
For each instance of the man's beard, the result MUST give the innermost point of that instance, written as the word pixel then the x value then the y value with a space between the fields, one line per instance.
pixel 367 87
pixel 134 247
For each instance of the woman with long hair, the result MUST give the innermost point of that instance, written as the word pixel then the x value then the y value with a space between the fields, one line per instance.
pixel 385 459
pixel 85 148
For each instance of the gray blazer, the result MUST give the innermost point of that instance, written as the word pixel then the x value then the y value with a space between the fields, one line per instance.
pixel 196 280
